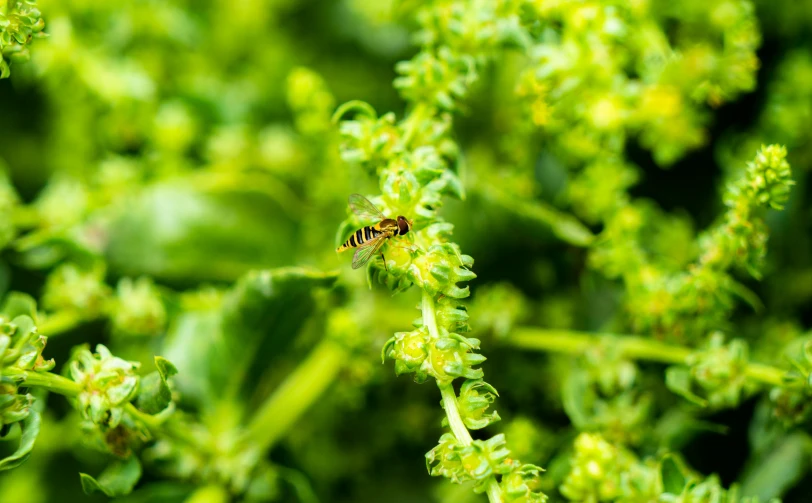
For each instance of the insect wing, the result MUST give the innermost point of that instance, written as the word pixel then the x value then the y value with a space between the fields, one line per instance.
pixel 364 209
pixel 367 251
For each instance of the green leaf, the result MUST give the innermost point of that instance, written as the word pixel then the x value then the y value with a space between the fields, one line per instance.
pixel 117 479
pixel 159 492
pixel 172 233
pixel 155 395
pixel 18 303
pixel 215 350
pixel 577 397
pixel 770 475
pixel 678 380
pixel 30 429
pixel 673 475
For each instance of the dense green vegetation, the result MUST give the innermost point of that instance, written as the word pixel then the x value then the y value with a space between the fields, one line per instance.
pixel 608 202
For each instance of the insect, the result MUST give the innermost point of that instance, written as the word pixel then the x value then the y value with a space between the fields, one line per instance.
pixel 369 239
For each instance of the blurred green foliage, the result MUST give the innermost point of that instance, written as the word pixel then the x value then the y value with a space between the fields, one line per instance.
pixel 618 186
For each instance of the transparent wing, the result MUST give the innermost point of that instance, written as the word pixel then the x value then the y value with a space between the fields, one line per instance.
pixel 364 209
pixel 367 250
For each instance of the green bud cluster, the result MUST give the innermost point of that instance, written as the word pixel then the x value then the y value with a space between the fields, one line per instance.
pixel 108 385
pixel 21 349
pixel 441 79
pixel 445 358
pixel 73 288
pixel 601 471
pixel 479 461
pixel 139 310
pixel 457 38
pixel 20 22
pixel 136 307
pixel 474 399
pixel 596 467
pixel 603 393
pixel 715 375
pixel 792 403
pixel 606 71
pixel 498 308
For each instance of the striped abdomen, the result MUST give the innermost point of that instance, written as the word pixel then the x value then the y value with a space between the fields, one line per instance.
pixel 360 237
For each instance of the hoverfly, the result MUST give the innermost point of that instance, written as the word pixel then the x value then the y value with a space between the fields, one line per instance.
pixel 369 239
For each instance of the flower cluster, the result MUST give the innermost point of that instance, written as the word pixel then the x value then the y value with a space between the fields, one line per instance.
pixel 20 22
pixel 21 349
pixel 715 376
pixel 601 471
pixel 108 385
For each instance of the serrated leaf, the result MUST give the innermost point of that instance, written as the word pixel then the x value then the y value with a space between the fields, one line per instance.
pixel 258 318
pixel 30 429
pixel 155 395
pixel 117 479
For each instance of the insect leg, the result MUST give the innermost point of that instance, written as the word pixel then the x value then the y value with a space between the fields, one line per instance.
pixel 384 262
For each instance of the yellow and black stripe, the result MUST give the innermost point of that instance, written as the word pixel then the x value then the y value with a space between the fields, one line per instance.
pixel 360 237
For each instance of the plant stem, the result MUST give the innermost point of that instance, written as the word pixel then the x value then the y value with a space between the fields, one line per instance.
pixel 417 115
pixel 47 380
pixel 59 322
pixel 564 225
pixel 452 411
pixel 638 348
pixel 449 396
pixel 301 388
pixel 167 427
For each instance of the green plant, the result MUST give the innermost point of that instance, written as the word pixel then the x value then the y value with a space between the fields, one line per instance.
pixel 630 177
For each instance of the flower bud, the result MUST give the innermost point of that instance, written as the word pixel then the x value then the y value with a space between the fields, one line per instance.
pixel 108 384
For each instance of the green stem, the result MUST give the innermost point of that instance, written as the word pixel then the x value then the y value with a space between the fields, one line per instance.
pixel 301 388
pixel 452 411
pixel 449 396
pixel 564 225
pixel 60 322
pixel 637 348
pixel 417 116
pixel 47 380
pixel 167 427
